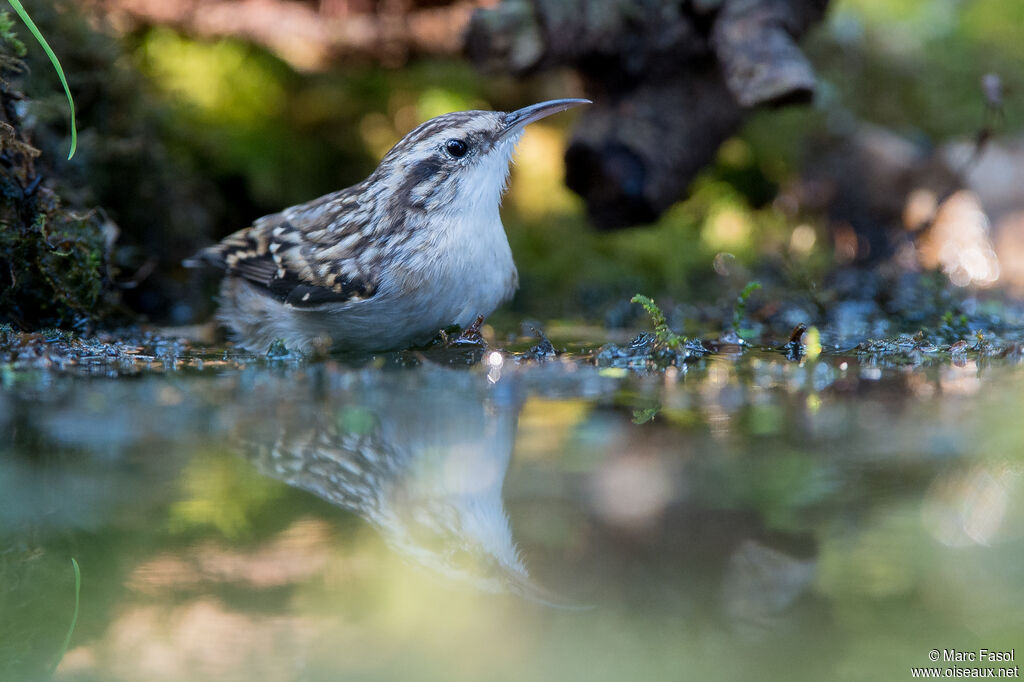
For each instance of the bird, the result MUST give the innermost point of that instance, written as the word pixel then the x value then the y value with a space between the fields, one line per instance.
pixel 415 248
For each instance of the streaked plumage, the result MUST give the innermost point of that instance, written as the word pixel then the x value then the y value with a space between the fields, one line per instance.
pixel 416 247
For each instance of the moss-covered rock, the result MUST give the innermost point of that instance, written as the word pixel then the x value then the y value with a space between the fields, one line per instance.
pixel 110 226
pixel 54 261
pixel 162 204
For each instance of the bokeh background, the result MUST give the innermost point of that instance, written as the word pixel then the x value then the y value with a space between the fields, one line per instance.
pixel 197 118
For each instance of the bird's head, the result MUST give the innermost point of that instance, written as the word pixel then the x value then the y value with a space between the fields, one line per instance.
pixel 459 162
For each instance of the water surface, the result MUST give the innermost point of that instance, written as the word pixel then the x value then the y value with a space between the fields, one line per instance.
pixel 743 517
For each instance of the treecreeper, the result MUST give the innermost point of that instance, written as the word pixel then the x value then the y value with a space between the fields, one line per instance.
pixel 416 247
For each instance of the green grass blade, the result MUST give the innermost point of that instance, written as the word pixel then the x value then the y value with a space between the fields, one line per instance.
pixel 16 4
pixel 74 616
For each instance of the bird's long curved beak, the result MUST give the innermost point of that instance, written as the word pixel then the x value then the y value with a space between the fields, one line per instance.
pixel 517 119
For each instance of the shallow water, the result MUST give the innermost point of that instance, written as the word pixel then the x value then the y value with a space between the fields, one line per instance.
pixel 744 517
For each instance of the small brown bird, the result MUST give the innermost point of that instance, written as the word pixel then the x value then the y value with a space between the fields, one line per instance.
pixel 416 247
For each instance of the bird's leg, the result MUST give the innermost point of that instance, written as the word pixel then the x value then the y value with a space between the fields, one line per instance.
pixel 470 335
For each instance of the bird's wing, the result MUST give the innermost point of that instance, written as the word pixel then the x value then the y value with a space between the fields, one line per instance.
pixel 307 255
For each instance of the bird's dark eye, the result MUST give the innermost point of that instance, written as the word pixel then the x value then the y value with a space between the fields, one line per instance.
pixel 456 148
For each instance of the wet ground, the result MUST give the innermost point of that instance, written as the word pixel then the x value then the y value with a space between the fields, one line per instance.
pixel 471 514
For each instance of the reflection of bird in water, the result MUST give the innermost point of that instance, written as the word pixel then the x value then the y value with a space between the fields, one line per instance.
pixel 424 465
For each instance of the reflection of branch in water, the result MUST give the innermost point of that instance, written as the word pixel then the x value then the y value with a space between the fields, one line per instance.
pixel 424 467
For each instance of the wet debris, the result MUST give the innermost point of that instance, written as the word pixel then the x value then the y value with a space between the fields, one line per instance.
pixel 728 343
pixel 542 350
pixel 794 350
pixel 919 348
pixel 122 353
pixel 646 352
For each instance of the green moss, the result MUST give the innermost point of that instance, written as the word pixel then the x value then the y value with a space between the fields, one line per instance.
pixel 9 41
pixel 53 261
pixel 664 335
pixel 739 311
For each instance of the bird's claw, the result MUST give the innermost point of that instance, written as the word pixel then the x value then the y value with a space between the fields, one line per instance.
pixel 470 336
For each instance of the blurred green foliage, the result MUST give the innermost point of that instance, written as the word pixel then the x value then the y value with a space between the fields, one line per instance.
pixel 288 136
pixel 916 65
pixel 223 495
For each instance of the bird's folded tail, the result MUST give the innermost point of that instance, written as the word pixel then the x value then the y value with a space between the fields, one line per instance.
pixel 240 243
pixel 211 255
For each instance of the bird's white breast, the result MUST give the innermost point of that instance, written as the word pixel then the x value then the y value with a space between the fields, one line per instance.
pixel 472 272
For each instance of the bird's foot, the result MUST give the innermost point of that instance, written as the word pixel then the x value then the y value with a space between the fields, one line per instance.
pixel 455 347
pixel 470 336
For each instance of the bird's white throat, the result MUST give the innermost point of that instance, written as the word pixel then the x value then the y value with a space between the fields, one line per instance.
pixel 480 269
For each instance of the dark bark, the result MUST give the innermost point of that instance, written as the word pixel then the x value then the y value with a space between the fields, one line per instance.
pixel 753 40
pixel 670 81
